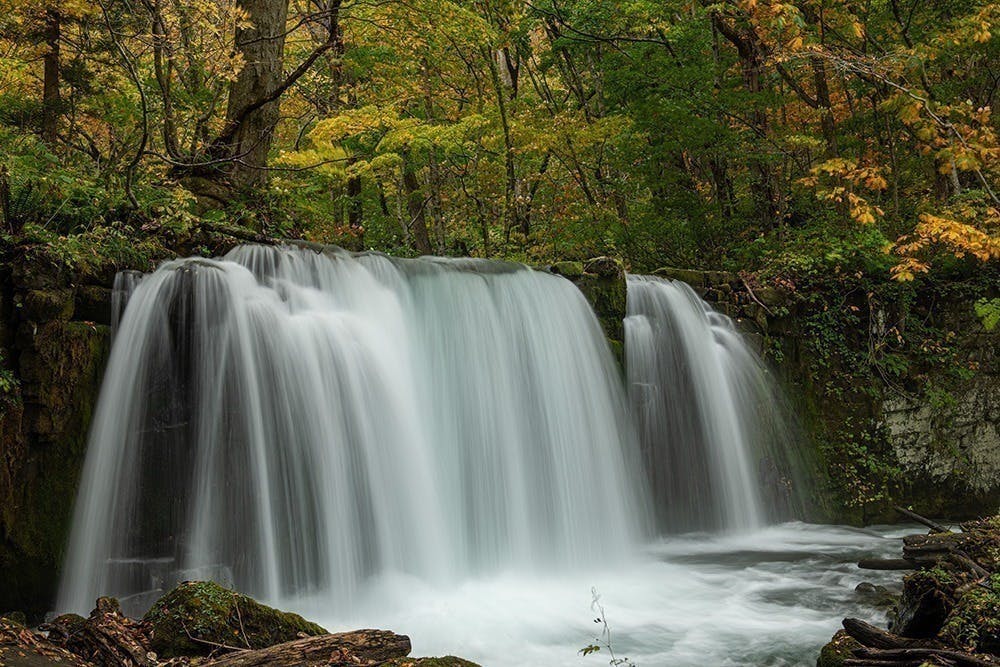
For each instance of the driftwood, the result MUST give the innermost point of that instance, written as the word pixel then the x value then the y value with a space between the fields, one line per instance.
pixel 881 647
pixel 105 638
pixel 887 564
pixel 344 649
pixel 873 637
pixel 919 656
pixel 933 525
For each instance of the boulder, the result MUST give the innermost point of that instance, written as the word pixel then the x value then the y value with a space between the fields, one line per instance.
pixel 604 267
pixel 839 649
pixel 567 269
pixel 198 617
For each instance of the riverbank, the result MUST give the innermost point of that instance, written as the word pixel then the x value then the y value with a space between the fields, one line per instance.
pixel 202 623
pixel 948 612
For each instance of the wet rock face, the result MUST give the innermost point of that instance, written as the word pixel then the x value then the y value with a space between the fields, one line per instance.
pixel 602 282
pixel 56 360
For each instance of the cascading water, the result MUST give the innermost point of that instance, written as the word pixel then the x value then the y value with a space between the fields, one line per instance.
pixel 446 448
pixel 296 422
pixel 714 437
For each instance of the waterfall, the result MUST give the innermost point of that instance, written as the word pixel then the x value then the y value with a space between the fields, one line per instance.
pixel 294 422
pixel 715 439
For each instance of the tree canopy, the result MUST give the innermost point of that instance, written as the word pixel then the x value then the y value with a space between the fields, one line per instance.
pixel 737 133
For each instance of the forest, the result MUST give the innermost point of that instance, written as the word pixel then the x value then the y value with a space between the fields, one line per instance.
pixel 436 315
pixel 742 134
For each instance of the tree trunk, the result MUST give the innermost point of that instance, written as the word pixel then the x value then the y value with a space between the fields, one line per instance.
pixel 50 83
pixel 763 184
pixel 827 121
pixel 416 207
pixel 262 45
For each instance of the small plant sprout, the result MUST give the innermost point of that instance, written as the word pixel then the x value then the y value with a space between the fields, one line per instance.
pixel 603 641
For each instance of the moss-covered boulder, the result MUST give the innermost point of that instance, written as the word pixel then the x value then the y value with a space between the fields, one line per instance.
pixel 197 616
pixel 840 648
pixel 603 284
pixel 568 269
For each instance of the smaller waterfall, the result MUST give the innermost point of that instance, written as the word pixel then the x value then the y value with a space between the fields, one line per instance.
pixel 714 434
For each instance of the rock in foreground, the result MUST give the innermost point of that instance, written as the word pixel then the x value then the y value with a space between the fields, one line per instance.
pixel 199 617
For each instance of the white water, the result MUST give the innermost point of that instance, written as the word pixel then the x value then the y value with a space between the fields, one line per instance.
pixel 298 423
pixel 768 598
pixel 445 449
pixel 716 446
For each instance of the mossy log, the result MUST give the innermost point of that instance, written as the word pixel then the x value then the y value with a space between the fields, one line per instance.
pixel 343 649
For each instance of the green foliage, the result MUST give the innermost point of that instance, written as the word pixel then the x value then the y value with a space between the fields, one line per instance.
pixel 974 623
pixel 988 310
pixel 103 248
pixel 9 383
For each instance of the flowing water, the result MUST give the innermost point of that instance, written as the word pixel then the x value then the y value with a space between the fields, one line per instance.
pixel 296 422
pixel 717 445
pixel 767 598
pixel 446 448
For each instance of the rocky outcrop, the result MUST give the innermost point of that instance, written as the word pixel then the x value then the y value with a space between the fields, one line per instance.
pixel 54 359
pixel 602 282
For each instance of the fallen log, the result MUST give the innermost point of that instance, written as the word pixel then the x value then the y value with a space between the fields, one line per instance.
pixel 343 649
pixel 933 525
pixel 908 655
pixel 874 637
pixel 887 564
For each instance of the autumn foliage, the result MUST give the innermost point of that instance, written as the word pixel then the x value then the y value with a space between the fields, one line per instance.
pixel 665 131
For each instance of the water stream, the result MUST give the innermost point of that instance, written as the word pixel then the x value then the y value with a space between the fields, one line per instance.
pixel 447 448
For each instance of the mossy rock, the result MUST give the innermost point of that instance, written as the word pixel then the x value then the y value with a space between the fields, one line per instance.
pixel 446 661
pixel 196 616
pixel 974 624
pixel 839 649
pixel 696 279
pixel 40 305
pixel 568 269
pixel 605 267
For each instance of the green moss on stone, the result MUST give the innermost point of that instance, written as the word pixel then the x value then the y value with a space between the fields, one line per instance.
pixel 196 615
pixel 840 648
pixel 568 269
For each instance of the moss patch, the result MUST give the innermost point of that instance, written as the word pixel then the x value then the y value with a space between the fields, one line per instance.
pixel 197 615
pixel 839 649
pixel 974 623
